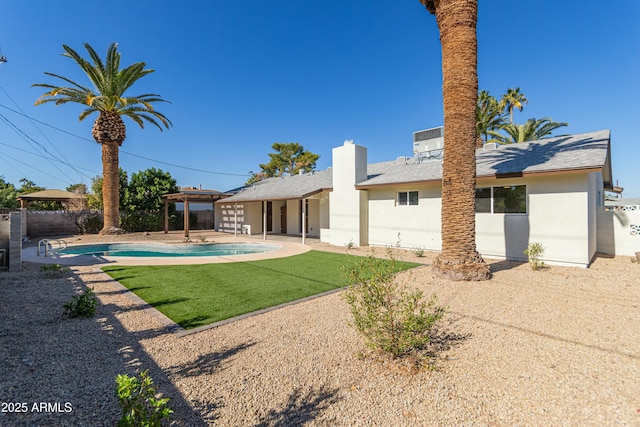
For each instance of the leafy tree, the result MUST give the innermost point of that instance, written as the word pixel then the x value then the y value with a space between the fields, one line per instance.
pixel 108 99
pixel 95 200
pixel 29 186
pixel 146 189
pixel 288 158
pixel 457 19
pixel 532 130
pixel 8 195
pixel 77 188
pixel 490 115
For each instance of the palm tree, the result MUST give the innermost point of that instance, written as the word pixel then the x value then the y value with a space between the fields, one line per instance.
pixel 532 130
pixel 489 115
pixel 107 98
pixel 456 20
pixel 513 98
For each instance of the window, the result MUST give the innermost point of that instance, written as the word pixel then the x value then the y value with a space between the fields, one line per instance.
pixel 483 200
pixel 407 198
pixel 504 199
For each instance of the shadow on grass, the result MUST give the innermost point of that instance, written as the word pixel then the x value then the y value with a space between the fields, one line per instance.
pixel 194 322
pixel 168 302
pixel 207 363
pixel 300 408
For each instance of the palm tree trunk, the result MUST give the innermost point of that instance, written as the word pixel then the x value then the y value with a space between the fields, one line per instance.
pixel 110 187
pixel 459 259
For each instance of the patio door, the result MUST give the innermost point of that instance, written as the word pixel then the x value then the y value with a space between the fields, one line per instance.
pixel 269 217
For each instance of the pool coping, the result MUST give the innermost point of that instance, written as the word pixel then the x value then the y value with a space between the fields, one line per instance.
pixel 287 248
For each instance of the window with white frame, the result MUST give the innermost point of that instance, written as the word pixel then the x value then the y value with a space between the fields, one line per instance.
pixel 503 199
pixel 407 198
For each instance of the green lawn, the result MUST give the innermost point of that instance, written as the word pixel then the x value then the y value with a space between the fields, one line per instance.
pixel 196 295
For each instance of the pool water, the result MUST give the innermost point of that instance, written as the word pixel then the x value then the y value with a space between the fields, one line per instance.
pixel 168 250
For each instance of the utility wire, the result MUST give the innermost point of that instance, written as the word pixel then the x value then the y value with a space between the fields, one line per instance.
pixel 30 140
pixel 126 152
pixel 33 167
pixel 41 133
pixel 41 155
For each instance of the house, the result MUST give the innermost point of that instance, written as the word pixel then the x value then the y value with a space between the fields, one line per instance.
pixel 549 191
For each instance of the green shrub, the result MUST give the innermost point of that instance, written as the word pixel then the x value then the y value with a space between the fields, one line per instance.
pixel 142 221
pixel 82 305
pixel 534 252
pixel 140 406
pixel 393 318
pixel 54 270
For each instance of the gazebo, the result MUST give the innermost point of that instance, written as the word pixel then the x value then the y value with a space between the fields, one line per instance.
pixel 69 199
pixel 187 196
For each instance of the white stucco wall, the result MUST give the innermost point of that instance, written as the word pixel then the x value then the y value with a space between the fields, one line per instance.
pixel 225 217
pixel 347 206
pixel 557 217
pixel 619 230
pixel 407 226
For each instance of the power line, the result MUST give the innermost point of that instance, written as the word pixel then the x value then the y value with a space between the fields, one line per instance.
pixel 126 152
pixel 29 140
pixel 41 133
pixel 32 167
pixel 40 155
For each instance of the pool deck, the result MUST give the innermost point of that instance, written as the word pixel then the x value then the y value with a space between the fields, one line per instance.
pixel 290 245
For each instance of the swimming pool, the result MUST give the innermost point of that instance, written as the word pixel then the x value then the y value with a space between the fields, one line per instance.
pixel 168 250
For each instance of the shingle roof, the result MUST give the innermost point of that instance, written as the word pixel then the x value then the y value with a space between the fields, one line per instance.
pixel 283 188
pixel 570 152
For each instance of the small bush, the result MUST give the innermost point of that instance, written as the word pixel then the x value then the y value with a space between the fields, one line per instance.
pixel 418 251
pixel 82 305
pixel 139 403
pixel 350 245
pixel 393 318
pixel 534 252
pixel 54 270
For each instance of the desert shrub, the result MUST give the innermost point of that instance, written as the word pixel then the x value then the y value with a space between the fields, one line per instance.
pixel 418 251
pixel 393 318
pixel 138 401
pixel 534 252
pixel 54 270
pixel 92 224
pixel 82 305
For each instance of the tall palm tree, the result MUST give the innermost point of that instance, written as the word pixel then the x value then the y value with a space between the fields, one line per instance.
pixel 513 98
pixel 456 20
pixel 489 116
pixel 532 130
pixel 107 98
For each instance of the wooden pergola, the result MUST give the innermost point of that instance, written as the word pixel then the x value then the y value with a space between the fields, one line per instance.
pixel 187 196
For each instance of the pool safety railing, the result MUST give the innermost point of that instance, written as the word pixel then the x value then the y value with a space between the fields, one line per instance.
pixel 51 246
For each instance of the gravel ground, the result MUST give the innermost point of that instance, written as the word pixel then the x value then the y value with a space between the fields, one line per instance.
pixel 553 347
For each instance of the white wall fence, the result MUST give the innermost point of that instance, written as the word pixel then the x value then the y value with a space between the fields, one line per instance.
pixel 619 230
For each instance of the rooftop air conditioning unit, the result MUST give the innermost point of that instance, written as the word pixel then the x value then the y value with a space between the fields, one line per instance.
pixel 428 140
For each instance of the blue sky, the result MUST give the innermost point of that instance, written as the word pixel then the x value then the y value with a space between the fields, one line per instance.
pixel 242 75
